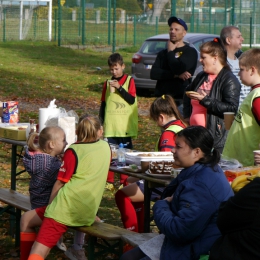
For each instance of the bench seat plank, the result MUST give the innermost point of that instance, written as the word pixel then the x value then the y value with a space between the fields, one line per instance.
pixel 15 199
pixel 105 231
pixel 137 239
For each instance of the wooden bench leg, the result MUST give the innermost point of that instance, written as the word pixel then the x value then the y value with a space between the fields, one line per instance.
pixel 15 216
pixel 91 247
pixel 17 227
pixel 121 247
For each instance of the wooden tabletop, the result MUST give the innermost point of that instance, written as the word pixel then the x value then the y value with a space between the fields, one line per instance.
pixel 11 141
pixel 144 176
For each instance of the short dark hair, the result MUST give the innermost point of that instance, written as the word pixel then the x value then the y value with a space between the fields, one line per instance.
pixel 114 59
pixel 227 32
pixel 200 137
pixel 250 58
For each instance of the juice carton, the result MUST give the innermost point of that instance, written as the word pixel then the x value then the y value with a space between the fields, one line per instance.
pixel 10 112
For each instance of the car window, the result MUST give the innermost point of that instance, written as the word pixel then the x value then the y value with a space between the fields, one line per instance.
pixel 209 39
pixel 197 44
pixel 153 47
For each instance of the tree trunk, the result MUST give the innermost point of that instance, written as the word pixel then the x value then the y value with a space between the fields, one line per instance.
pixel 158 6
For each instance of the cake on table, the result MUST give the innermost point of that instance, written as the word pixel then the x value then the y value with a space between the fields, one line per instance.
pixel 161 167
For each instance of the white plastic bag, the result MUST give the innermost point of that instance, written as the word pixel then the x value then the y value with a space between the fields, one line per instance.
pixel 67 121
pixel 227 163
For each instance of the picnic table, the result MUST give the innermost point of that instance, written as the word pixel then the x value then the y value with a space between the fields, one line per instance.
pixel 149 184
pixel 15 156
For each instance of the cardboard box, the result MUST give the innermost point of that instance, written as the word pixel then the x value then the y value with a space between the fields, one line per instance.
pixel 10 112
pixel 1 108
pixel 17 132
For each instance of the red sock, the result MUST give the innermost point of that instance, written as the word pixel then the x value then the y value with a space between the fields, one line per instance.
pixel 35 257
pixel 127 211
pixel 110 177
pixel 139 209
pixel 123 178
pixel 26 242
pixel 125 182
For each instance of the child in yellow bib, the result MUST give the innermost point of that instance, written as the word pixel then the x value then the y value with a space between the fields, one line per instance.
pixel 118 108
pixel 76 194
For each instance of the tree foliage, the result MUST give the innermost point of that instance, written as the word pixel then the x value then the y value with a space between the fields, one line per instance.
pixel 123 4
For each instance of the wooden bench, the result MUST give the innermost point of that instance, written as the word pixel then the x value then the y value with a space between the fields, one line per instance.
pixel 17 202
pixel 136 239
pixel 107 238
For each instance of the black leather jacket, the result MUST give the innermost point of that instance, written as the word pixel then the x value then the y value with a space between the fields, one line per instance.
pixel 223 97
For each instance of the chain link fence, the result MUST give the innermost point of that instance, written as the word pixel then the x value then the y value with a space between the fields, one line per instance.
pixel 111 24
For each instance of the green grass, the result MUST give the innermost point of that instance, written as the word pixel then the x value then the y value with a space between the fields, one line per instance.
pixel 30 73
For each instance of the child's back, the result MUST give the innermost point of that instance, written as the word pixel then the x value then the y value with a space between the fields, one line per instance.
pixel 43 170
pixel 244 135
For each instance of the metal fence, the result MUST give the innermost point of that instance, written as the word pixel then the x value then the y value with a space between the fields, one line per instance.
pixel 119 23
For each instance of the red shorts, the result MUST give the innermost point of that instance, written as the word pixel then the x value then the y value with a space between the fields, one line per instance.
pixel 50 232
pixel 40 212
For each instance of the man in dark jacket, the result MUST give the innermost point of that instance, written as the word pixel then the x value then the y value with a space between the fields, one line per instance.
pixel 175 65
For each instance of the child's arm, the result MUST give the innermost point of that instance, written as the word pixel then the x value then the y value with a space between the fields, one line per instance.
pixel 129 96
pixel 103 103
pixel 102 111
pixel 256 109
pixel 56 187
pixel 65 173
pixel 126 96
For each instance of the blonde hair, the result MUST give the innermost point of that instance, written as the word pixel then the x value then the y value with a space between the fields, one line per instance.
pixel 250 58
pixel 87 130
pixel 47 135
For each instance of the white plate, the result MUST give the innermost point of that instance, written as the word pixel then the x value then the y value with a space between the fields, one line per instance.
pixel 162 176
pixel 137 157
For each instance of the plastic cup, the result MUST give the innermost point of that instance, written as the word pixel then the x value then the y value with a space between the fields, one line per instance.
pixel 145 165
pixel 175 172
pixel 257 157
pixel 112 89
pixel 228 119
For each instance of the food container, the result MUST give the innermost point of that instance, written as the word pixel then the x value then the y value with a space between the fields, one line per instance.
pixel 145 165
pixel 251 170
pixel 137 157
pixel 10 112
pixel 14 131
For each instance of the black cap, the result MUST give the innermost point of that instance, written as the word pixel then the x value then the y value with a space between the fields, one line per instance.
pixel 174 19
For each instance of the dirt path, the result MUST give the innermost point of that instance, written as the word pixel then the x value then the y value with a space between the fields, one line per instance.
pixel 92 105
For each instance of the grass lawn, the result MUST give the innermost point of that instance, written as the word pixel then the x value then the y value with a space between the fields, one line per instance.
pixel 34 73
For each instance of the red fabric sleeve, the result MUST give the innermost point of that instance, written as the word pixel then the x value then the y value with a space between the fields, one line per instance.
pixel 103 97
pixel 132 88
pixel 256 109
pixel 68 166
pixel 167 141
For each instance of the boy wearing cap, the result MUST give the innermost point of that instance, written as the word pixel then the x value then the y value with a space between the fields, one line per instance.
pixel 175 65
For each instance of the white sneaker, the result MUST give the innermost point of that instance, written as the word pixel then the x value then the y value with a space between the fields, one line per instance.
pixel 61 246
pixel 73 254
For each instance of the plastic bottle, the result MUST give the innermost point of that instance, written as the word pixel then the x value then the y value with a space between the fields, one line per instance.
pixel 121 156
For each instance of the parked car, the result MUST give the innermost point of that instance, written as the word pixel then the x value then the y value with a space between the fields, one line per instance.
pixel 143 60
